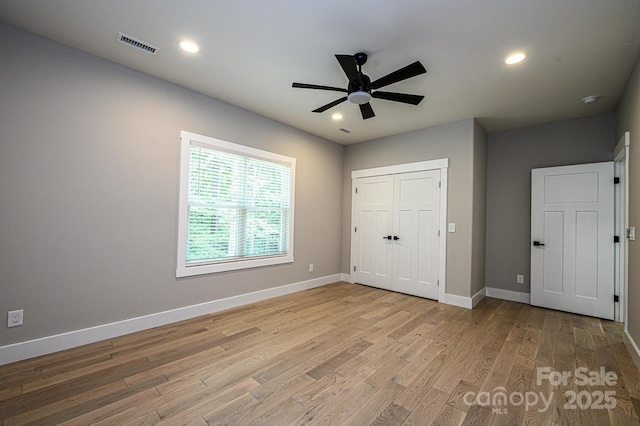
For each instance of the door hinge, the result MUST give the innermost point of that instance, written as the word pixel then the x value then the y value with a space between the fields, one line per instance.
pixel 355 229
pixel 616 298
pixel 354 269
pixel 616 239
pixel 356 190
pixel 438 283
pixel 616 180
pixel 439 184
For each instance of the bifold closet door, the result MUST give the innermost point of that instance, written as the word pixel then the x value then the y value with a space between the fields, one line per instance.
pixel 416 218
pixel 373 231
pixel 396 232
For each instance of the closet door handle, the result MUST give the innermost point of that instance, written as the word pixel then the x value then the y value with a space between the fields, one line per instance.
pixel 396 238
pixel 388 237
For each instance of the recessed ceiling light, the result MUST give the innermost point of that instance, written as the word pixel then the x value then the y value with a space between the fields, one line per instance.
pixel 516 58
pixel 189 46
pixel 590 99
pixel 337 116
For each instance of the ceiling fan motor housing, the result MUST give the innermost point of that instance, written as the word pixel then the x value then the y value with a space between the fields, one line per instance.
pixel 359 93
pixel 362 85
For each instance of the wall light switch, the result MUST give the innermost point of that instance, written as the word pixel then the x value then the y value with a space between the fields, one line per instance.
pixel 631 233
pixel 520 279
pixel 452 227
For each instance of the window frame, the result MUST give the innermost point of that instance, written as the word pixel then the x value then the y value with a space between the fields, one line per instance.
pixel 185 270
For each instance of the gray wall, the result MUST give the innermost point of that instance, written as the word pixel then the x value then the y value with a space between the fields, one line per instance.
pixel 628 115
pixel 454 141
pixel 89 157
pixel 511 156
pixel 478 243
pixel 89 184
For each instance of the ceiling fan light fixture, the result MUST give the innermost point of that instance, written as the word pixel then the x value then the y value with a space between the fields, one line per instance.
pixel 359 98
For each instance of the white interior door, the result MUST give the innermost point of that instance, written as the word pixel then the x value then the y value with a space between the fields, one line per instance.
pixel 572 232
pixel 416 222
pixel 373 232
pixel 396 232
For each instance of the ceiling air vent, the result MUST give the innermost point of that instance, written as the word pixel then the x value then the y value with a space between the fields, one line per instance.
pixel 345 130
pixel 138 44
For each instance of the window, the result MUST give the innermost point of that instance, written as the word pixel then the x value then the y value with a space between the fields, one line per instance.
pixel 236 207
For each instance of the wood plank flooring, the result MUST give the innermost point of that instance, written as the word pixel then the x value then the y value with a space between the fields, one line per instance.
pixel 341 354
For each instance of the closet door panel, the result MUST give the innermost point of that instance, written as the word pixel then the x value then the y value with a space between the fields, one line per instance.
pixel 415 223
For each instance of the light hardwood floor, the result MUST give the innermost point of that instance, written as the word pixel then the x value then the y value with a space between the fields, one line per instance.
pixel 341 354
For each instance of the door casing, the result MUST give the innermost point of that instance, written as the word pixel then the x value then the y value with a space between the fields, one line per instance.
pixel 621 159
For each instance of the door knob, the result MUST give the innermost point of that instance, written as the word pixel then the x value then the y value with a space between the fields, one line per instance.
pixel 396 238
pixel 388 237
pixel 538 244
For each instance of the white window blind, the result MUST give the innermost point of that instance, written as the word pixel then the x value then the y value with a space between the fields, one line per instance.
pixel 238 208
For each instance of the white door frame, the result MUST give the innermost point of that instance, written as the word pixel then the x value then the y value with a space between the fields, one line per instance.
pixel 621 159
pixel 441 164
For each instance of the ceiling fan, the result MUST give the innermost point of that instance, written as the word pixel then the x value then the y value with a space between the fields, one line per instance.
pixel 361 89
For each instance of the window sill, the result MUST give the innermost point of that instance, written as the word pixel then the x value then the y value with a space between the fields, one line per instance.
pixel 212 268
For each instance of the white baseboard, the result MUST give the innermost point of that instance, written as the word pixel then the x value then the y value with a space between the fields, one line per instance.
pixel 455 300
pixel 632 347
pixel 478 297
pixel 463 301
pixel 514 296
pixel 449 299
pixel 470 302
pixel 46 345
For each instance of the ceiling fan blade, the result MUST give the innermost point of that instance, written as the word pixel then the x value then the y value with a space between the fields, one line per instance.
pixel 330 105
pixel 348 64
pixel 315 86
pixel 398 97
pixel 409 71
pixel 367 111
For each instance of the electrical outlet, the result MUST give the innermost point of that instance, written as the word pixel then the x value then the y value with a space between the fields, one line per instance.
pixel 311 267
pixel 520 279
pixel 14 318
pixel 631 233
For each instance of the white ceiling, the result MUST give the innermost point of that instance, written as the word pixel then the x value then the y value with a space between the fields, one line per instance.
pixel 252 50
